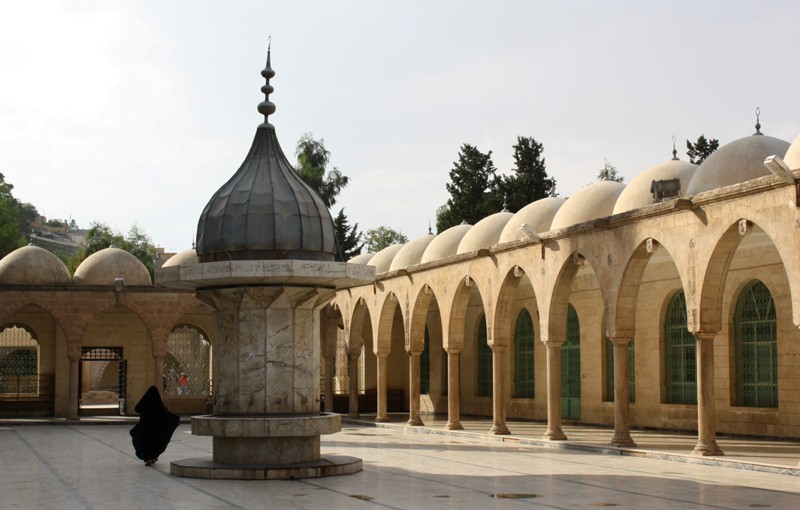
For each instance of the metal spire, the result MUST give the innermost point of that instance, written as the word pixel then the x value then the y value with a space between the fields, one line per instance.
pixel 758 122
pixel 674 150
pixel 267 107
pixel 505 203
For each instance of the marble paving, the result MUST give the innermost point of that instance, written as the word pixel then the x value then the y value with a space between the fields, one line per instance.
pixel 81 466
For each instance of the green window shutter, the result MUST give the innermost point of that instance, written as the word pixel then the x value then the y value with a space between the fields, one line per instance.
pixel 523 356
pixel 680 350
pixel 571 368
pixel 756 346
pixel 484 362
pixel 425 366
pixel 609 361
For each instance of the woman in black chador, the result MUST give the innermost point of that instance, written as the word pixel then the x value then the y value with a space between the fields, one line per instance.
pixel 154 430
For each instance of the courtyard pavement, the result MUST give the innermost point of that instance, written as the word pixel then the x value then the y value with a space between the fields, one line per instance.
pixel 90 465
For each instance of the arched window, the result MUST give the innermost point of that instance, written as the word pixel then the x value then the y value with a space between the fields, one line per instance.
pixel 756 347
pixel 187 364
pixel 19 361
pixel 571 368
pixel 484 361
pixel 425 366
pixel 680 348
pixel 609 393
pixel 523 356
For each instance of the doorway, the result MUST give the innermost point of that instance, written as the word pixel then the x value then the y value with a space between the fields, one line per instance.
pixel 102 375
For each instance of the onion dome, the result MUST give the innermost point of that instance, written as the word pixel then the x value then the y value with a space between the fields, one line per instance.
pixel 105 266
pixel 736 162
pixel 638 193
pixel 411 253
pixel 361 259
pixel 183 258
pixel 32 265
pixel 382 260
pixel 445 244
pixel 265 211
pixel 485 233
pixel 792 158
pixel 589 203
pixel 536 216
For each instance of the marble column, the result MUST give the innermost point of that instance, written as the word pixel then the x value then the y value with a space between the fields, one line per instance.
pixel 74 355
pixel 554 432
pixel 453 391
pixel 414 419
pixel 706 407
pixel 382 415
pixel 622 392
pixel 352 373
pixel 499 426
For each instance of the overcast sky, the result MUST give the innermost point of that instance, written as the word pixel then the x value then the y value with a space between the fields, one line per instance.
pixel 137 112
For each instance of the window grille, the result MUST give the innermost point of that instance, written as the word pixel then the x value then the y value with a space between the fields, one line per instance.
pixel 341 378
pixel 756 340
pixel 610 371
pixel 680 349
pixel 484 361
pixel 425 366
pixel 19 361
pixel 523 356
pixel 571 368
pixel 187 363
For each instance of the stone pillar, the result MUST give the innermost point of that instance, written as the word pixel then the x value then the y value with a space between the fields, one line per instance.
pixel 414 419
pixel 499 426
pixel 706 408
pixel 622 392
pixel 453 391
pixel 383 415
pixel 554 432
pixel 352 373
pixel 74 355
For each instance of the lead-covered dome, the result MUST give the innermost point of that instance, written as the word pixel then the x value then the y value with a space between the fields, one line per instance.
pixel 638 193
pixel 105 266
pixel 536 216
pixel 32 265
pixel 589 203
pixel 265 211
pixel 738 161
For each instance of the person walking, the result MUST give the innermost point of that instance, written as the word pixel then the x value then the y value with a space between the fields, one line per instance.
pixel 156 424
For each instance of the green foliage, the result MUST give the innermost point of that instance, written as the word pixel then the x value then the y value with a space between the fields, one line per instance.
pixel 348 239
pixel 473 189
pixel 529 182
pixel 100 236
pixel 312 161
pixel 609 173
pixel 701 149
pixel 11 220
pixel 382 237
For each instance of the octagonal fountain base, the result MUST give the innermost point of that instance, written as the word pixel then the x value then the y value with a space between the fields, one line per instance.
pixel 266 447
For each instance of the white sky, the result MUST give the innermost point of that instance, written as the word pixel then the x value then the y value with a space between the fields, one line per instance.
pixel 136 112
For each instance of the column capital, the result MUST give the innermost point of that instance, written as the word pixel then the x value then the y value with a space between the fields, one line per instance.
pixel 623 340
pixel 705 335
pixel 554 343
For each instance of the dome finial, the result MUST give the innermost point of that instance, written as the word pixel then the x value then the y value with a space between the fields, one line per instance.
pixel 266 107
pixel 758 121
pixel 674 150
pixel 505 203
pixel 430 230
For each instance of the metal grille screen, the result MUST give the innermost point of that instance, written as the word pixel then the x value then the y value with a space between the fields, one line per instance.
pixel 19 362
pixel 681 354
pixel 756 348
pixel 187 364
pixel 523 356
pixel 484 362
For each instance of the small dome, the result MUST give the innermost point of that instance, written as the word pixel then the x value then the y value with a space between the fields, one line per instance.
pixel 183 258
pixel 792 158
pixel 637 193
pixel 383 259
pixel 736 162
pixel 590 202
pixel 445 244
pixel 32 265
pixel 538 216
pixel 104 266
pixel 361 259
pixel 485 233
pixel 411 253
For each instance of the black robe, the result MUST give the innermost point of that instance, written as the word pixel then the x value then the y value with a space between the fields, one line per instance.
pixel 156 425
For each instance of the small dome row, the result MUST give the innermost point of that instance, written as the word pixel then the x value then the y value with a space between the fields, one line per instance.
pixel 736 162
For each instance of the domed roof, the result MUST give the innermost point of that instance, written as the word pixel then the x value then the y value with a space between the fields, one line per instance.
pixel 182 258
pixel 383 259
pixel 590 202
pixel 538 216
pixel 104 266
pixel 362 258
pixel 265 211
pixel 485 233
pixel 792 157
pixel 638 194
pixel 32 265
pixel 411 253
pixel 445 244
pixel 738 161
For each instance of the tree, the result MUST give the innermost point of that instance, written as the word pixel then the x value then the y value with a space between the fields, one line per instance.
pixel 701 149
pixel 609 173
pixel 473 189
pixel 529 182
pixel 383 237
pixel 348 239
pixel 11 237
pixel 312 161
